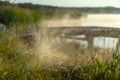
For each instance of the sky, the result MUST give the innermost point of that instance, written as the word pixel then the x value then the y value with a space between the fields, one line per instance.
pixel 74 3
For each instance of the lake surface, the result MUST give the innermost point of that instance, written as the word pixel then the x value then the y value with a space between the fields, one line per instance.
pixel 107 20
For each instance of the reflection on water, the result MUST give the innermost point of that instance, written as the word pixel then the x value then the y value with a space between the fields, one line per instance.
pixel 99 42
pixel 107 20
pixel 103 20
pixel 105 42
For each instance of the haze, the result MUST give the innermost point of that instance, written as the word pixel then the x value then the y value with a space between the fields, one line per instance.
pixel 73 3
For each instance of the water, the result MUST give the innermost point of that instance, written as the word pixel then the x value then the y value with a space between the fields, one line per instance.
pixel 99 42
pixel 105 42
pixel 107 20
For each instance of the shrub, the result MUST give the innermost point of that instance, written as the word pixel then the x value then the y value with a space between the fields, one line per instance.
pixel 18 16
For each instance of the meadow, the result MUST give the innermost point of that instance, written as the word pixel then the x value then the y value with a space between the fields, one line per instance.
pixel 19 61
pixel 47 59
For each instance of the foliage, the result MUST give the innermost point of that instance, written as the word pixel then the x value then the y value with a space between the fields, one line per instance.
pixel 16 59
pixel 18 16
pixel 90 10
pixel 16 64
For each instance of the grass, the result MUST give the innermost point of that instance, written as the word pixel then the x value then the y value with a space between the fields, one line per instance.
pixel 13 15
pixel 46 60
pixel 17 63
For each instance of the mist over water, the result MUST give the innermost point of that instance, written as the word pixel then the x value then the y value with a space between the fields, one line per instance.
pixel 107 20
pixel 103 20
pixel 49 51
pixel 65 21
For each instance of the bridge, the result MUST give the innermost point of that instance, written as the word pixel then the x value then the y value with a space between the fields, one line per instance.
pixel 88 31
pixel 85 30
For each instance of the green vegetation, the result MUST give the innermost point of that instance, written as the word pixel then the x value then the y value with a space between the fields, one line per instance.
pixel 19 62
pixel 25 13
pixel 49 11
pixel 14 60
pixel 86 10
pixel 18 16
pixel 21 15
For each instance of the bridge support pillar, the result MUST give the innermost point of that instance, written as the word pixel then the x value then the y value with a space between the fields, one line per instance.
pixel 90 42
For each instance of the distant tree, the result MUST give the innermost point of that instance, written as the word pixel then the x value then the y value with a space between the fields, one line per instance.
pixel 4 3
